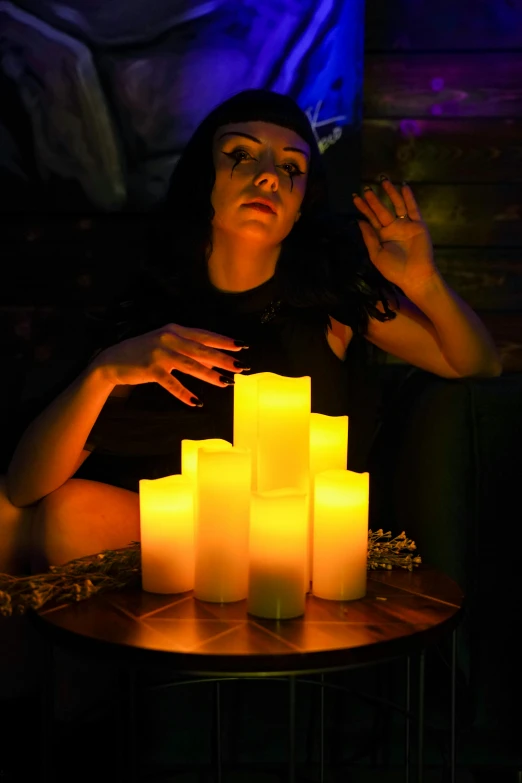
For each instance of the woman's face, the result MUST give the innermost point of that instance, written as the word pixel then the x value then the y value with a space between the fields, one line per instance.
pixel 256 162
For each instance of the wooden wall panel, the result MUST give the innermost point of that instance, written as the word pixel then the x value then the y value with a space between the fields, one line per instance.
pixel 443 111
pixel 445 24
pixel 449 84
pixel 488 278
pixel 470 215
pixel 443 150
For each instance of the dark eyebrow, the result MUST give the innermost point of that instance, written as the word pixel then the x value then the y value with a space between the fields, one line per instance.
pixel 257 141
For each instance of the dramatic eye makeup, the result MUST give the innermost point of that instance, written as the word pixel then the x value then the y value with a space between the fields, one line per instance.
pixel 239 154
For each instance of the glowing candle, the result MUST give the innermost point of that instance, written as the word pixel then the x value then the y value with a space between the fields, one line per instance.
pixel 222 524
pixel 189 453
pixel 277 559
pixel 167 534
pixel 328 451
pixel 245 417
pixel 340 549
pixel 272 418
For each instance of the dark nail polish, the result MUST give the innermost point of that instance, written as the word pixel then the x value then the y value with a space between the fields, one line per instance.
pixel 197 403
pixel 366 188
pixel 355 195
pixel 224 379
pixel 241 366
pixel 382 178
pixel 240 344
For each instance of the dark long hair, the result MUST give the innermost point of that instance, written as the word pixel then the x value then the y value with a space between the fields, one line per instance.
pixel 324 262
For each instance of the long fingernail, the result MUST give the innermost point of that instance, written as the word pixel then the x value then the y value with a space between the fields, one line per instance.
pixel 225 379
pixel 241 366
pixel 367 187
pixel 383 178
pixel 240 344
pixel 196 402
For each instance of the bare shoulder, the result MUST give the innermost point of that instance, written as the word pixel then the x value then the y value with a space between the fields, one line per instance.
pixel 339 337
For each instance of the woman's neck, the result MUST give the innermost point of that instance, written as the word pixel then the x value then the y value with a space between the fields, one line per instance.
pixel 235 265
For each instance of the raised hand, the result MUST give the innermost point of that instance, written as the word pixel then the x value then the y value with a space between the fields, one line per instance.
pixel 151 357
pixel 398 240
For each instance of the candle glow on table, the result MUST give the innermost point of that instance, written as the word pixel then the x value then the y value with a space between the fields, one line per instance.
pixel 340 550
pixel 167 534
pixel 328 451
pixel 222 524
pixel 277 553
pixel 272 418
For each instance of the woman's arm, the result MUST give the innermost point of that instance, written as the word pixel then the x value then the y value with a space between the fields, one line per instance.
pixel 50 451
pixel 438 332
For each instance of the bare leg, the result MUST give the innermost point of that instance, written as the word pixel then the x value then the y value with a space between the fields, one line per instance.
pixel 15 532
pixel 81 518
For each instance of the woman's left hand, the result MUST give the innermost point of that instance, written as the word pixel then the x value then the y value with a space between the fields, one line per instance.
pixel 398 241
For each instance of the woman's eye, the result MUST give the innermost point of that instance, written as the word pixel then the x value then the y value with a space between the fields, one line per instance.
pixel 291 169
pixel 238 155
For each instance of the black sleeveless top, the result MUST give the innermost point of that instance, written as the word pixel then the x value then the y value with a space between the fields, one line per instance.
pixel 140 436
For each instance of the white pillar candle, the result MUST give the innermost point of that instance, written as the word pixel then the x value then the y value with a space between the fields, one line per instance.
pixel 283 458
pixel 277 554
pixel 340 549
pixel 272 418
pixel 189 453
pixel 328 451
pixel 167 534
pixel 222 524
pixel 245 417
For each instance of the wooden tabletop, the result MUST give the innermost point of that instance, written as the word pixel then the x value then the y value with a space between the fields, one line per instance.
pixel 402 612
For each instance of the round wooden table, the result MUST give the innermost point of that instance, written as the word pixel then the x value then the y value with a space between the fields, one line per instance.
pixel 402 613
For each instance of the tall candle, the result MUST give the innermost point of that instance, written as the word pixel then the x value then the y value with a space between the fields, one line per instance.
pixel 272 418
pixel 340 549
pixel 222 524
pixel 277 559
pixel 189 453
pixel 328 451
pixel 167 534
pixel 246 418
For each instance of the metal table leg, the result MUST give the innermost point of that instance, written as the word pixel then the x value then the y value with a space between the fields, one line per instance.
pixel 420 734
pixel 47 714
pixel 407 748
pixel 130 759
pixel 291 761
pixel 216 749
pixel 453 729
pixel 321 739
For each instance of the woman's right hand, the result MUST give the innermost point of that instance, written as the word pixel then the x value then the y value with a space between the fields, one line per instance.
pixel 152 357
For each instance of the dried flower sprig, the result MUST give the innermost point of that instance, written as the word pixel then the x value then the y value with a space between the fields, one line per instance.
pixel 117 568
pixel 73 581
pixel 387 552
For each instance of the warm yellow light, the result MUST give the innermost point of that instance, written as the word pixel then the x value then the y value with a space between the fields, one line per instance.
pixel 278 530
pixel 189 453
pixel 272 418
pixel 167 534
pixel 328 451
pixel 340 547
pixel 222 524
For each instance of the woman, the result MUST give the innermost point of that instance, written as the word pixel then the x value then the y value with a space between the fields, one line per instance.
pixel 250 272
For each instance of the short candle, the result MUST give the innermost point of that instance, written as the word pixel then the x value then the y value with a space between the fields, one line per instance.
pixel 222 524
pixel 340 552
pixel 277 553
pixel 167 534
